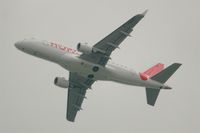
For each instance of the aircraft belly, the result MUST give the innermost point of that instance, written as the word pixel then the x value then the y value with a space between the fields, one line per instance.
pixel 75 64
pixel 124 77
pixel 109 73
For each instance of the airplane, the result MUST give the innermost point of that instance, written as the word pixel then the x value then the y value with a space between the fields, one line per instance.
pixel 88 64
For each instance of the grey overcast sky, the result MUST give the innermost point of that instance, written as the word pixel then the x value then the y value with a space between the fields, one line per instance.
pixel 31 103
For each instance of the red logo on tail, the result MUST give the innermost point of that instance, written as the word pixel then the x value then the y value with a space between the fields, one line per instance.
pixel 151 71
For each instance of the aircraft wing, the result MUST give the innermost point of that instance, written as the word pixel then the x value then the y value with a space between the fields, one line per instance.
pixel 78 86
pixel 108 44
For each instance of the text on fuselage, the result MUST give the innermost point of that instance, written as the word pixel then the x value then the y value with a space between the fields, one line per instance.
pixel 63 48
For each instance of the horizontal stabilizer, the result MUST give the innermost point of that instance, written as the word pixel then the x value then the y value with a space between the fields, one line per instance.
pixel 152 95
pixel 164 75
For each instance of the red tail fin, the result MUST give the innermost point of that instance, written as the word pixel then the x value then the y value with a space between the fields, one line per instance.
pixel 151 71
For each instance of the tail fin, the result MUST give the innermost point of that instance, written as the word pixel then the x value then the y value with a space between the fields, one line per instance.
pixel 162 77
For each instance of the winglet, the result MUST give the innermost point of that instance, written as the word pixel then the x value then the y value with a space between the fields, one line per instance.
pixel 144 13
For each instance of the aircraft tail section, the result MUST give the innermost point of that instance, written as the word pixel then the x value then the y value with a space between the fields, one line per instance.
pixel 162 77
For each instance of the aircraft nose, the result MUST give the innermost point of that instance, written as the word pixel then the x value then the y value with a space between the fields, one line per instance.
pixel 18 44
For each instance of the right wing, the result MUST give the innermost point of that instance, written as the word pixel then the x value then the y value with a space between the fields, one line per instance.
pixel 107 45
pixel 78 86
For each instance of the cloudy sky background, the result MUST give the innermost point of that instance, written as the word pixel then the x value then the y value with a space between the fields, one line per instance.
pixel 30 102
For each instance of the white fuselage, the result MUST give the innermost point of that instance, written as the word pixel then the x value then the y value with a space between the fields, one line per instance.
pixel 69 59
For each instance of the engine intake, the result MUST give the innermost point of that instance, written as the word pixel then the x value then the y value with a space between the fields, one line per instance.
pixel 84 48
pixel 61 82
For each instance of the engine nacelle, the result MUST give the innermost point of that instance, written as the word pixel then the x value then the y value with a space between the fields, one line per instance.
pixel 61 82
pixel 84 48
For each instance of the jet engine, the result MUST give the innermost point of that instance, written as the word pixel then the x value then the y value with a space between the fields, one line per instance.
pixel 61 82
pixel 84 48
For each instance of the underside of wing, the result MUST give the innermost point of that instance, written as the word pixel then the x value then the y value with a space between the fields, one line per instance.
pixel 108 44
pixel 78 86
pixel 74 102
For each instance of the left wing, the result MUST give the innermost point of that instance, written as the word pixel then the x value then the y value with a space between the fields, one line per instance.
pixel 78 86
pixel 104 48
